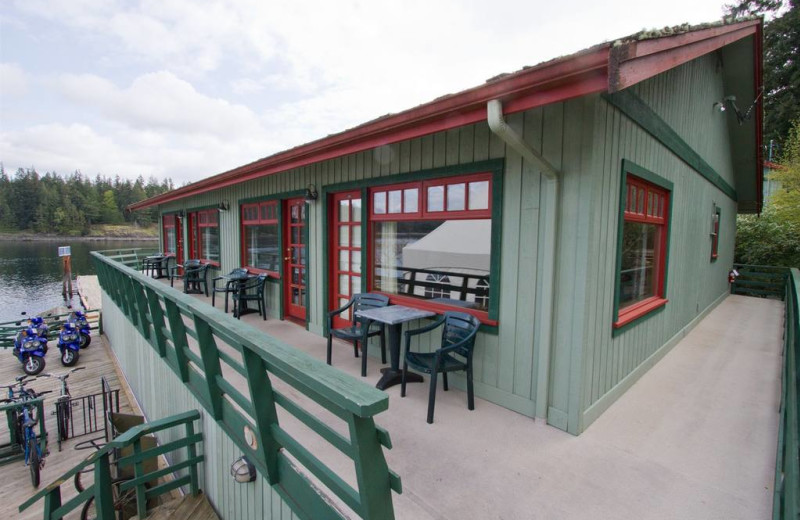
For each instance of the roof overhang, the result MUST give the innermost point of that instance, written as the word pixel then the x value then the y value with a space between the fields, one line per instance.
pixel 604 68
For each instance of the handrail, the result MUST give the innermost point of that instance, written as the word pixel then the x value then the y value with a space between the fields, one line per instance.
pixel 197 341
pixel 128 256
pixel 787 465
pixel 100 489
pixel 760 280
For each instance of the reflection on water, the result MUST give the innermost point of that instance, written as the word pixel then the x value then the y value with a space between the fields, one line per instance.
pixel 30 272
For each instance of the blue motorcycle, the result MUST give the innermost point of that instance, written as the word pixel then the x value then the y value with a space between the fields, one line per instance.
pixel 69 343
pixel 78 319
pixel 29 349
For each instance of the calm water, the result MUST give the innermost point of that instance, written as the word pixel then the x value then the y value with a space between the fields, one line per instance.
pixel 30 272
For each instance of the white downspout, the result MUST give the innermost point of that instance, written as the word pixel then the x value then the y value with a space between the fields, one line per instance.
pixel 498 125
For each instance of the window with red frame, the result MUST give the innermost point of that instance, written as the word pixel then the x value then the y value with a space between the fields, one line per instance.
pixel 431 240
pixel 204 226
pixel 715 233
pixel 170 234
pixel 643 250
pixel 261 236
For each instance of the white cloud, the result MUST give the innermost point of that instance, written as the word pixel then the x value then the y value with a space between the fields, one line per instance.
pixel 161 101
pixel 13 81
pixel 188 89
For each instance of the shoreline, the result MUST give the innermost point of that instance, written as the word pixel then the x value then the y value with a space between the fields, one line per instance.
pixel 6 237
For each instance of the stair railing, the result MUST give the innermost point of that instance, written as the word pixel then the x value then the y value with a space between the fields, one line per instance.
pixel 106 457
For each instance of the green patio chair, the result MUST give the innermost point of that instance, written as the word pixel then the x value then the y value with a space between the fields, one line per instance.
pixel 195 274
pixel 359 330
pixel 251 291
pixel 231 285
pixel 458 342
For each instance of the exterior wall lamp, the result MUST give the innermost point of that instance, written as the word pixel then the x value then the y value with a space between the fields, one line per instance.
pixel 223 206
pixel 311 193
pixel 242 470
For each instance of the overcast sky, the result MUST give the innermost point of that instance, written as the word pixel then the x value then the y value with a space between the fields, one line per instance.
pixel 192 88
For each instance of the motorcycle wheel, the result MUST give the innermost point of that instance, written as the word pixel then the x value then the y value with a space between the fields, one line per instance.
pixel 69 357
pixel 32 365
pixel 33 462
pixel 85 340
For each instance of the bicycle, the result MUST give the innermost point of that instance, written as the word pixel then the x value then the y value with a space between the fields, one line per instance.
pixel 25 420
pixel 124 501
pixel 63 405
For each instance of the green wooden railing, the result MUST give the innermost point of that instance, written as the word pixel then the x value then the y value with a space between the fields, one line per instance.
pixel 101 487
pixel 244 377
pixel 131 257
pixel 9 329
pixel 760 280
pixel 786 503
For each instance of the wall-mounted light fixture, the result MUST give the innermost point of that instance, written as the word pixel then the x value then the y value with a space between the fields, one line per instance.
pixel 242 470
pixel 181 213
pixel 311 193
pixel 729 103
pixel 223 206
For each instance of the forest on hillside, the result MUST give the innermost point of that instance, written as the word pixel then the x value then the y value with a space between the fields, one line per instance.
pixel 71 205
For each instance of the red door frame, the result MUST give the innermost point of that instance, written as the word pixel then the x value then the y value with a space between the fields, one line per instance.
pixel 295 258
pixel 337 297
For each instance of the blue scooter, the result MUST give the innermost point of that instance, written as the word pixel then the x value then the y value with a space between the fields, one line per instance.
pixel 69 343
pixel 78 319
pixel 30 350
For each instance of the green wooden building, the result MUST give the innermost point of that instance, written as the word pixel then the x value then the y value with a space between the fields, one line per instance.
pixel 583 209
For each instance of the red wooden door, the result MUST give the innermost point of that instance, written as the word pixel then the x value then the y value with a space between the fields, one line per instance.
pixel 178 239
pixel 345 252
pixel 294 261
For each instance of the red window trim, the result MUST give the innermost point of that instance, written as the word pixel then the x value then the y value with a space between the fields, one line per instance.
pixel 259 221
pixel 639 309
pixel 423 215
pixel 715 236
pixel 422 212
pixel 206 218
pixel 650 205
pixel 439 308
pixel 168 221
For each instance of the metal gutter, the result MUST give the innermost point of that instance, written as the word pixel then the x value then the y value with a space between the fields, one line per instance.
pixel 508 135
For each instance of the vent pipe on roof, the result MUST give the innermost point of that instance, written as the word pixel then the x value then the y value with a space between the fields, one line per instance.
pixel 498 125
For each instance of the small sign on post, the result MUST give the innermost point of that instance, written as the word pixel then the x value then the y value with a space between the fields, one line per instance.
pixel 65 252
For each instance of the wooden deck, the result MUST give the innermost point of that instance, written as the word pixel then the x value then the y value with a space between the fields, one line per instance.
pixel 15 485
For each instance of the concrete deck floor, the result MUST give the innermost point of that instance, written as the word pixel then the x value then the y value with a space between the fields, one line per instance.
pixel 695 437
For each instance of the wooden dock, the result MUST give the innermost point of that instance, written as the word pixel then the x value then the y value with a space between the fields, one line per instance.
pixel 15 484
pixel 89 291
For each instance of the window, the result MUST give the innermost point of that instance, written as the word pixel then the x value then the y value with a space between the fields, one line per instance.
pixel 204 235
pixel 642 255
pixel 170 234
pixel 261 236
pixel 431 240
pixel 716 216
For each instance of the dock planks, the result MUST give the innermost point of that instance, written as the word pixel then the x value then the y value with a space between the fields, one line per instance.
pixel 15 485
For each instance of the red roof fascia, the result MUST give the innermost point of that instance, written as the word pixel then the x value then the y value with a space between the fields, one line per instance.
pixel 550 82
pixel 636 61
pixel 758 60
pixel 598 69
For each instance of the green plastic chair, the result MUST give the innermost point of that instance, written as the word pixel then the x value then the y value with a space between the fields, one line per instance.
pixel 359 330
pixel 455 354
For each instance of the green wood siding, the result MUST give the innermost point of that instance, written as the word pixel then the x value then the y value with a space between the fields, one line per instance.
pixel 683 98
pixel 586 140
pixel 150 387
pixel 505 360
